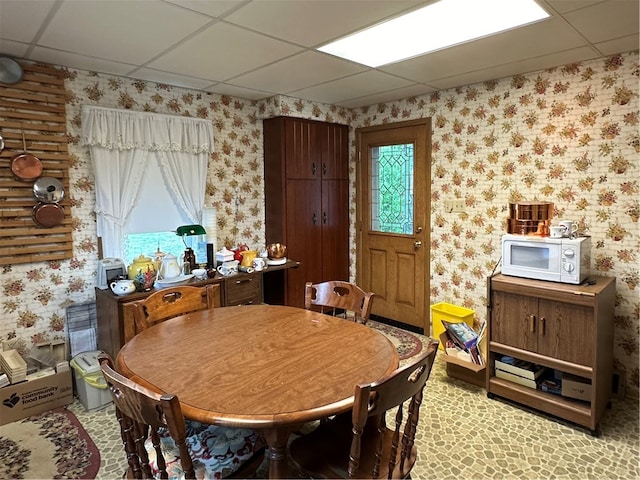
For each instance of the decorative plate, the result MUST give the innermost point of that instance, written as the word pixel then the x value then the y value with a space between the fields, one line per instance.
pixel 170 281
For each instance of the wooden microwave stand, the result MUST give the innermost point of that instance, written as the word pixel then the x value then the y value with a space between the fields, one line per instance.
pixel 115 319
pixel 566 328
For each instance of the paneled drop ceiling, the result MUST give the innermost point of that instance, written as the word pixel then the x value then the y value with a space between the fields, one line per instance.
pixel 258 48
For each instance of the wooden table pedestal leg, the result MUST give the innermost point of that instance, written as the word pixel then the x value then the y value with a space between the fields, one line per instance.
pixel 277 439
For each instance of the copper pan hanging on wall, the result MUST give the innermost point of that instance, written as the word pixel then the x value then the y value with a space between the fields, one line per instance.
pixel 49 192
pixel 26 167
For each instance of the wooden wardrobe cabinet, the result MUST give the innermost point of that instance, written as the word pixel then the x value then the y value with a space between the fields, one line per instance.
pixel 307 199
pixel 568 328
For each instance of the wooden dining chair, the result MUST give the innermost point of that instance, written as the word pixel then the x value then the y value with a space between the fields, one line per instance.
pixel 366 447
pixel 160 444
pixel 170 302
pixel 339 298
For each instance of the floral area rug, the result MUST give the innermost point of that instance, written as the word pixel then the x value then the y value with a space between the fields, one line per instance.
pixel 49 445
pixel 407 343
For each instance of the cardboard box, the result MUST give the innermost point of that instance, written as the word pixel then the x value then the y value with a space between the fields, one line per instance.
pixel 35 396
pixel 465 370
pixel 512 377
pixel 519 367
pixel 576 387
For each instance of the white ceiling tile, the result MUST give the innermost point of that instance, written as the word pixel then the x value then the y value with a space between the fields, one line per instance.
pixel 81 62
pixel 607 20
pixel 223 51
pixel 215 8
pixel 13 49
pixel 170 78
pixel 299 71
pixel 312 22
pixel 226 89
pixel 116 30
pixel 358 85
pixel 524 66
pixel 624 44
pixel 564 6
pixel 385 97
pixel 20 20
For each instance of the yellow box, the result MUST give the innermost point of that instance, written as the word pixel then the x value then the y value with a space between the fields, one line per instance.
pixel 449 313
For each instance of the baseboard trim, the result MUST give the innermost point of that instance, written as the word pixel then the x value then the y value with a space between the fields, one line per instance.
pixel 397 324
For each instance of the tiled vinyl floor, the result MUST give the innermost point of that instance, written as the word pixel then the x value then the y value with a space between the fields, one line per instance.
pixel 464 435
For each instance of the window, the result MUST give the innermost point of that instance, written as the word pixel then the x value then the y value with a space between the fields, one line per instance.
pixel 150 172
pixel 392 188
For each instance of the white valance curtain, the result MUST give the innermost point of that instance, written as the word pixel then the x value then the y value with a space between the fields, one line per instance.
pixel 122 145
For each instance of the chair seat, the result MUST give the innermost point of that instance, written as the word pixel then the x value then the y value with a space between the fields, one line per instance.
pixel 325 451
pixel 216 452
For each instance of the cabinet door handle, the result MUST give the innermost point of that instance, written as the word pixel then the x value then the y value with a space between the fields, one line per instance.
pixel 324 217
pixel 313 168
pixel 324 169
pixel 314 219
pixel 541 325
pixel 532 323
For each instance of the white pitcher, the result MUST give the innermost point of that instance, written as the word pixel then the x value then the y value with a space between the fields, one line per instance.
pixel 170 268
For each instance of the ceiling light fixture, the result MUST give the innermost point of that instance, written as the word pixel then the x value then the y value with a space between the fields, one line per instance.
pixel 434 27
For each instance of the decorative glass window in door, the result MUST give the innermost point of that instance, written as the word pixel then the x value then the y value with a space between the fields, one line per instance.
pixel 392 188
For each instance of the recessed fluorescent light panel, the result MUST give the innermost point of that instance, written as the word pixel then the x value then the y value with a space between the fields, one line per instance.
pixel 434 27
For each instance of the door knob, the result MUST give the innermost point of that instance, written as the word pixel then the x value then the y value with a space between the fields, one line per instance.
pixel 419 230
pixel 417 244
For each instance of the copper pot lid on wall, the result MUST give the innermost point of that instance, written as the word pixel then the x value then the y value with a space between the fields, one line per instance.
pixel 48 214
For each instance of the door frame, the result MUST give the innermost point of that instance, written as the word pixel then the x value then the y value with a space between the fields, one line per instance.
pixel 362 203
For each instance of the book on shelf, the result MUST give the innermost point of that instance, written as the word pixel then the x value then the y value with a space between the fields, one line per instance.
pixel 461 333
pixel 519 367
pixel 512 377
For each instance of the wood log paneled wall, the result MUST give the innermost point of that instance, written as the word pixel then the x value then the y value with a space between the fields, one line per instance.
pixel 35 107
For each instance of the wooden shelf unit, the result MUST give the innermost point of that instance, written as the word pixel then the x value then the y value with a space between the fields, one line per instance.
pixel 33 115
pixel 564 327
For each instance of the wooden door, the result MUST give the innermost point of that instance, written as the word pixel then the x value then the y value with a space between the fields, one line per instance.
pixel 392 228
pixel 303 240
pixel 566 332
pixel 302 152
pixel 335 230
pixel 514 319
pixel 334 145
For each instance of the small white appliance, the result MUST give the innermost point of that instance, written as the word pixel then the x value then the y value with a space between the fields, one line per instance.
pixel 565 260
pixel 109 269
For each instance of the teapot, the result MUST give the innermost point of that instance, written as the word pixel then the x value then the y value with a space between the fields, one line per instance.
pixel 123 287
pixel 170 268
pixel 143 272
pixel 237 253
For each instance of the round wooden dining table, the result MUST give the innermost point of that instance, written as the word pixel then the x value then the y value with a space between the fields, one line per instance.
pixel 266 367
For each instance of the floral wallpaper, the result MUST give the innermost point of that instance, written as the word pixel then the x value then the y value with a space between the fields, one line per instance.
pixel 567 135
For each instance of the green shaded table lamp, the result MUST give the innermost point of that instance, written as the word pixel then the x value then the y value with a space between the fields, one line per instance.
pixel 188 231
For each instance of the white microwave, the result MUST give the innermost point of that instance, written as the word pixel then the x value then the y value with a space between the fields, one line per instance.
pixel 108 270
pixel 565 260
